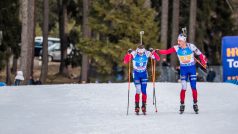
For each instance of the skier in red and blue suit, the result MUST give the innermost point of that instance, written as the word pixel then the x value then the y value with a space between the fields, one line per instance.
pixel 185 52
pixel 139 58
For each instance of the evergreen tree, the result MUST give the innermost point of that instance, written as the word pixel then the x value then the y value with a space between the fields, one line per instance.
pixel 164 25
pixel 214 22
pixel 53 18
pixel 11 32
pixel 44 68
pixel 175 30
pixel 27 38
pixel 115 28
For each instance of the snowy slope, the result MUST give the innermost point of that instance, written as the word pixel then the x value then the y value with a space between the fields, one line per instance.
pixel 101 109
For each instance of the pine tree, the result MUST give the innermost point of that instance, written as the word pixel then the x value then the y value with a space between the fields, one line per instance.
pixel 175 30
pixel 115 28
pixel 214 22
pixel 164 25
pixel 44 68
pixel 10 28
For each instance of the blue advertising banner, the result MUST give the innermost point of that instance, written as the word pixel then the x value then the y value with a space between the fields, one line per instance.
pixel 230 58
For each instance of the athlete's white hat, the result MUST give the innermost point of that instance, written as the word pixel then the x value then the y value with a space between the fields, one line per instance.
pixel 182 37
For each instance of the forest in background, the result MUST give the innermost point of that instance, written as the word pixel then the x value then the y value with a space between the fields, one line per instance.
pixel 103 30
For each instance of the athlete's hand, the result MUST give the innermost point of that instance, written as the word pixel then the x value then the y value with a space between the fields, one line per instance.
pixel 151 49
pixel 129 50
pixel 156 56
pixel 157 50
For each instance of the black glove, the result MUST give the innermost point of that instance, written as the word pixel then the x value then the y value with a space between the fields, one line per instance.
pixel 129 51
pixel 151 49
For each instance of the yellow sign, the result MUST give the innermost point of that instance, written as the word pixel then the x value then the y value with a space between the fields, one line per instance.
pixel 231 52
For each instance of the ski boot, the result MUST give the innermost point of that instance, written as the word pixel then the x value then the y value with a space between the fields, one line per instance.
pixel 195 108
pixel 182 107
pixel 137 108
pixel 143 108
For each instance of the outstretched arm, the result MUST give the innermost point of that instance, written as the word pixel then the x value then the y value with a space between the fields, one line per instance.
pixel 168 51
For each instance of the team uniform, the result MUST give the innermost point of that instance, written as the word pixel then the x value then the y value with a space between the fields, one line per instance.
pixel 187 69
pixel 140 74
pixel 187 65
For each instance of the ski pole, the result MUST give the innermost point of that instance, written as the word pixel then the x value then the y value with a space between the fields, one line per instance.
pixel 153 80
pixel 152 73
pixel 129 81
pixel 154 65
pixel 204 66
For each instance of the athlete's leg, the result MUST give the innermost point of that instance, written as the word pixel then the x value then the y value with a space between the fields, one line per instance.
pixel 183 76
pixel 137 83
pixel 193 80
pixel 144 79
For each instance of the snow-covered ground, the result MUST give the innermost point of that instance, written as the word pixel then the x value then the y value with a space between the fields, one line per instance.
pixel 101 109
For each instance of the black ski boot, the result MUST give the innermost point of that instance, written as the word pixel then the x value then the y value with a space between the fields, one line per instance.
pixel 143 108
pixel 182 107
pixel 195 108
pixel 137 108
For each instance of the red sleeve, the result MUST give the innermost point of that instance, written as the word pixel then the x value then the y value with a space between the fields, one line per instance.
pixel 168 51
pixel 156 55
pixel 127 58
pixel 203 59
